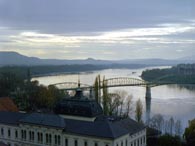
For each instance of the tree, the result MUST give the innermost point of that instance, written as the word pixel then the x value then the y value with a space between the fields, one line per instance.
pixel 122 94
pixel 178 128
pixel 157 122
pixel 97 88
pixel 168 140
pixel 105 97
pixel 189 133
pixel 171 125
pixel 113 104
pixel 128 105
pixel 138 111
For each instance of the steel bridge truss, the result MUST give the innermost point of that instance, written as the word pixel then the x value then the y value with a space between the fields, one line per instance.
pixel 70 86
pixel 112 82
pixel 124 81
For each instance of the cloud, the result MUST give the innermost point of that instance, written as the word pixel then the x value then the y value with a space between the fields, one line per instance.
pixel 100 29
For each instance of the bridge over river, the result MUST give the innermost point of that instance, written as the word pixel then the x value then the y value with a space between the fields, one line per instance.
pixel 118 82
pixel 122 82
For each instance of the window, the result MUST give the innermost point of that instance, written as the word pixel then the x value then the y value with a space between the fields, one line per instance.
pixel 16 134
pixel 9 133
pixel 85 143
pixel 96 144
pixel 126 142
pixel 2 131
pixel 144 140
pixel 59 140
pixel 48 138
pixel 31 135
pixel 40 137
pixel 23 133
pixel 55 139
pixel 121 143
pixel 75 143
pixel 66 142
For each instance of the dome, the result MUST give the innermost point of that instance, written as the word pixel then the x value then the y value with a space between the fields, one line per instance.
pixel 78 105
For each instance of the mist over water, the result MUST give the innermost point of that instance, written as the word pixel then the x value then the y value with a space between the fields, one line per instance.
pixel 167 100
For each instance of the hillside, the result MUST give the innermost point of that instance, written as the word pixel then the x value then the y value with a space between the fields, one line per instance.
pixel 14 58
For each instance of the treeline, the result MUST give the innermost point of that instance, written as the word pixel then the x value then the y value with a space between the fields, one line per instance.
pixel 28 96
pixel 171 75
pixel 50 69
pixel 170 132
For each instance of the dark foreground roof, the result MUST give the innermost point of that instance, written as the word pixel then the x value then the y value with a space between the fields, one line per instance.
pixel 131 125
pixel 44 120
pixel 103 127
pixel 11 117
pixel 3 144
pixel 79 105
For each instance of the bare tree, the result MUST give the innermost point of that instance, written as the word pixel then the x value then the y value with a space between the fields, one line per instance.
pixel 128 105
pixel 166 126
pixel 157 122
pixel 105 99
pixel 113 103
pixel 178 128
pixel 171 125
pixel 122 94
pixel 138 111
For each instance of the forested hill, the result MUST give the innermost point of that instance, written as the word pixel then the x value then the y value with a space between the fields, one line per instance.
pixel 182 73
pixel 16 59
pixel 53 69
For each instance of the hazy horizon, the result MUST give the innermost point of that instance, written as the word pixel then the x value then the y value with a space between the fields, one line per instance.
pixel 108 30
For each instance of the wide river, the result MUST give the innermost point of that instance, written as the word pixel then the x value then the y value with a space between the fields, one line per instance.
pixel 168 100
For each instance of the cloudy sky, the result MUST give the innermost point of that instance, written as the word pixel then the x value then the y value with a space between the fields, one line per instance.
pixel 101 29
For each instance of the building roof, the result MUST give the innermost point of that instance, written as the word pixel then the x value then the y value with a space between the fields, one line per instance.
pixel 7 104
pixel 3 144
pixel 102 127
pixel 131 125
pixel 11 118
pixel 78 105
pixel 49 120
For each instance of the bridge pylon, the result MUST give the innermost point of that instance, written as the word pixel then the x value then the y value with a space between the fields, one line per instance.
pixel 148 103
pixel 148 92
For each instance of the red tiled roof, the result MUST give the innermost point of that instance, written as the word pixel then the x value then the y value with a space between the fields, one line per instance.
pixel 7 104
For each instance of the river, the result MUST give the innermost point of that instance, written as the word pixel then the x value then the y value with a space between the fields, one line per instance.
pixel 168 100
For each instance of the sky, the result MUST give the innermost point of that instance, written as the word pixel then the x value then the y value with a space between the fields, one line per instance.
pixel 100 29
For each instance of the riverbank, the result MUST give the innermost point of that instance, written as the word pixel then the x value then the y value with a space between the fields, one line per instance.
pixel 171 75
pixel 48 70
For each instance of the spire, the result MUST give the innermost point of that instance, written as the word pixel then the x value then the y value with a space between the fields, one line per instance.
pixel 79 84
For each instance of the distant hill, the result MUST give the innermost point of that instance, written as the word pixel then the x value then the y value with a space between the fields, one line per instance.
pixel 16 59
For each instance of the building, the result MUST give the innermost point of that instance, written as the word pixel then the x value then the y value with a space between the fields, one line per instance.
pixel 79 122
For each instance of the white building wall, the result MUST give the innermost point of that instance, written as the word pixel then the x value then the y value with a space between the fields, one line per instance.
pixel 137 139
